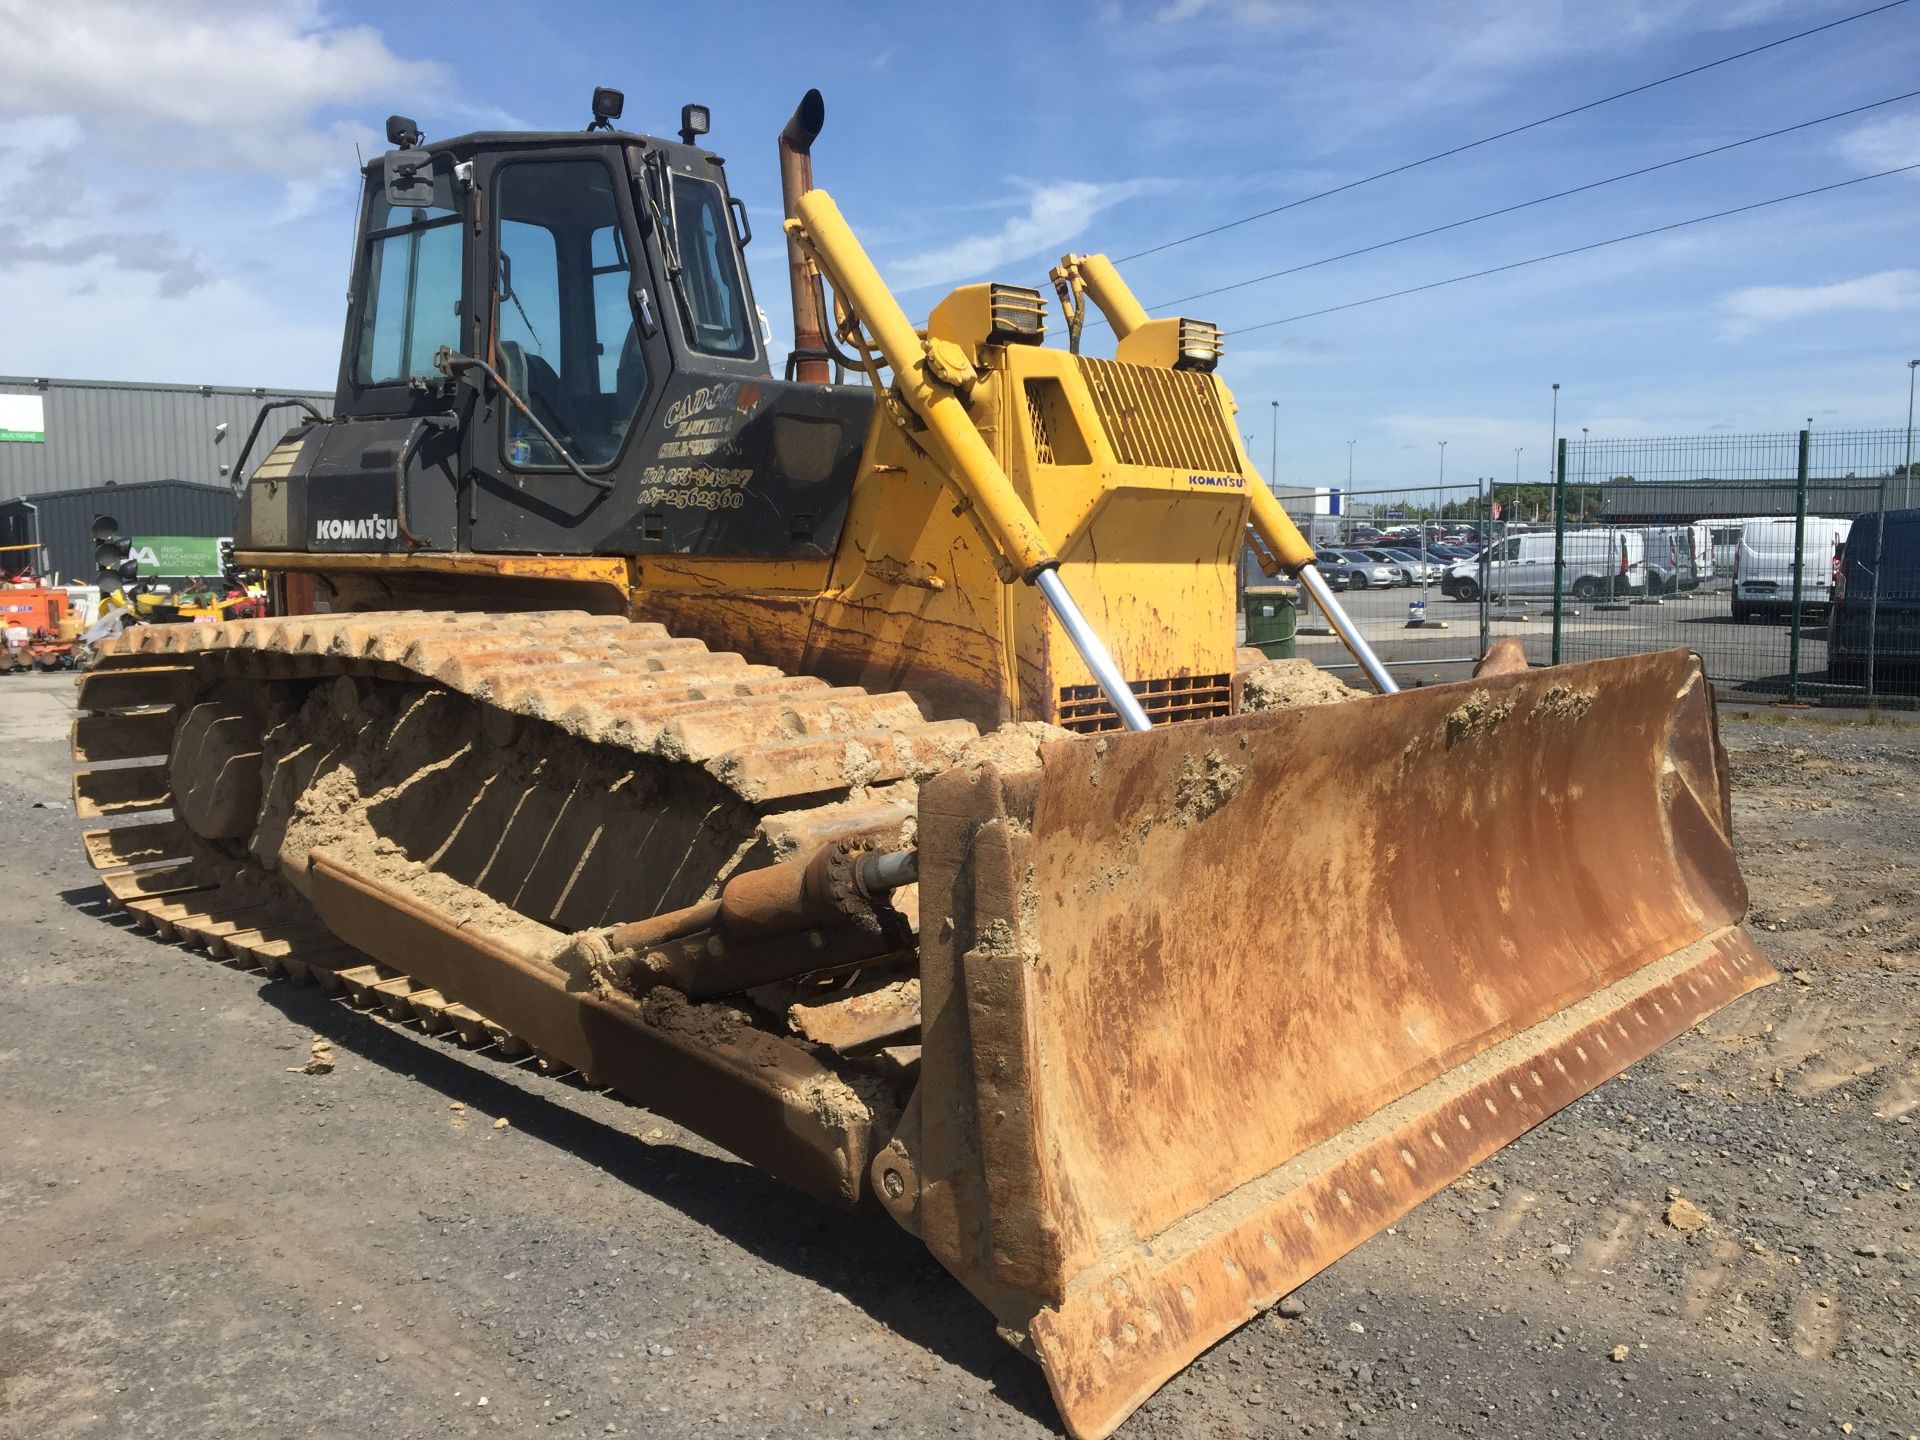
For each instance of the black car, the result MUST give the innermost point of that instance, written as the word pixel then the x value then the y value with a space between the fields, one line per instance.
pixel 1895 617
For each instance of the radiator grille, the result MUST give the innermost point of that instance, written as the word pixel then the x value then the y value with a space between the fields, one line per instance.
pixel 1084 708
pixel 1170 418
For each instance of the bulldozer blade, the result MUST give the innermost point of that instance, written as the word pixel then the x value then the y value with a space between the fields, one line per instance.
pixel 1204 1008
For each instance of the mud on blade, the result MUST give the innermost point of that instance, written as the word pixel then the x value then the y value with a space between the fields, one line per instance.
pixel 1206 1007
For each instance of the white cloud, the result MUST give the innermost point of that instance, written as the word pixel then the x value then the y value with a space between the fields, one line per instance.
pixel 228 86
pixel 1757 305
pixel 93 318
pixel 1883 144
pixel 1054 214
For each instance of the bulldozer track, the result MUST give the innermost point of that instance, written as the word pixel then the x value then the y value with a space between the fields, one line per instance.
pixel 278 943
pixel 807 762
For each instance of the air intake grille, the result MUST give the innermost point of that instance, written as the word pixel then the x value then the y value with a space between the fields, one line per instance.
pixel 1084 708
pixel 1170 418
pixel 1042 436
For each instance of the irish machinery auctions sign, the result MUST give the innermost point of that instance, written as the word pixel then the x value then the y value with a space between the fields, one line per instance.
pixel 23 418
pixel 194 557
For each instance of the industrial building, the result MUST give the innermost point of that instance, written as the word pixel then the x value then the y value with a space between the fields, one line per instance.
pixel 157 458
pixel 59 526
pixel 76 434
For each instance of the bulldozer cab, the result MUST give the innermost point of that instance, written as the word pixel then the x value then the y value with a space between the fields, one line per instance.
pixel 552 348
pixel 580 265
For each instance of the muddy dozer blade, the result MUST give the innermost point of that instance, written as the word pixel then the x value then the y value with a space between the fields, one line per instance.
pixel 1206 1007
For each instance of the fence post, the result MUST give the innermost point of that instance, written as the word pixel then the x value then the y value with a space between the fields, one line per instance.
pixel 1799 567
pixel 1873 599
pixel 1486 544
pixel 1559 541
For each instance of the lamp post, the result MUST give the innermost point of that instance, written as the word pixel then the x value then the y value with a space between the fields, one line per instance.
pixel 1553 441
pixel 1273 455
pixel 1516 481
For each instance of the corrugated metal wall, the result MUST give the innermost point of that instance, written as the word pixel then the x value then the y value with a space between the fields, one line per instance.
pixel 99 431
pixel 64 520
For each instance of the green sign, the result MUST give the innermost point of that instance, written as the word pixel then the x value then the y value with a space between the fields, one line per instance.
pixel 178 556
pixel 23 418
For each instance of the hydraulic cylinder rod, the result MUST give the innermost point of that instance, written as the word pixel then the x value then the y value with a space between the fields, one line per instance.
pixel 952 437
pixel 1119 693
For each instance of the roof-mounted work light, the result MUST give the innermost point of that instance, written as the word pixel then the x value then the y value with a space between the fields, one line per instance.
pixel 607 105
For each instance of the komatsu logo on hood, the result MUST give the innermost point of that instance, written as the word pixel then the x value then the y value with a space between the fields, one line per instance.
pixel 371 527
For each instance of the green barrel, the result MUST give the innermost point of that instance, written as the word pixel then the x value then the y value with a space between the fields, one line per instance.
pixel 1271 618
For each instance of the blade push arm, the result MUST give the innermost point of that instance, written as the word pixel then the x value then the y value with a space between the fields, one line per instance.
pixel 929 377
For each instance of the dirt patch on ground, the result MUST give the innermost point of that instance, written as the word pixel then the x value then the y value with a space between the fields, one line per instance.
pixel 199 1239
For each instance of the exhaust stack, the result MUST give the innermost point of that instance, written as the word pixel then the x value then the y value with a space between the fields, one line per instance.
pixel 810 354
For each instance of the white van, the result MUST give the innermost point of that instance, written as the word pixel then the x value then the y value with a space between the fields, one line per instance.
pixel 1763 566
pixel 1599 563
pixel 1704 567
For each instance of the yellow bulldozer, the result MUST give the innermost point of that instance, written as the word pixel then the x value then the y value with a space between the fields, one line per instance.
pixel 856 766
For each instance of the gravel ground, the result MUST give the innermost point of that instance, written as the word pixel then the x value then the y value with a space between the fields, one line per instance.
pixel 200 1243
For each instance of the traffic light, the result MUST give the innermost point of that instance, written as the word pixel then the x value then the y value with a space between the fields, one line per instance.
pixel 112 551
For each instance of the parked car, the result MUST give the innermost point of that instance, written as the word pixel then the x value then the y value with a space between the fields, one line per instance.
pixel 1763 567
pixel 1670 559
pixel 1403 572
pixel 1598 563
pixel 1894 617
pixel 1427 571
pixel 1361 570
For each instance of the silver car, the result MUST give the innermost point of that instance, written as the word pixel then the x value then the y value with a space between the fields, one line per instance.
pixel 1362 570
pixel 1406 572
pixel 1431 569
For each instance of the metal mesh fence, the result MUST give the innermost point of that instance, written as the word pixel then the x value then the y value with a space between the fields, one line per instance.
pixel 1389 553
pixel 1731 546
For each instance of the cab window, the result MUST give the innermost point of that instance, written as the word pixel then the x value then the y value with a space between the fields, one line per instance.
pixel 716 300
pixel 412 305
pixel 563 284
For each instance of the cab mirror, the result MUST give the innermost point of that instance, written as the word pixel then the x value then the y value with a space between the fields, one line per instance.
pixel 409 178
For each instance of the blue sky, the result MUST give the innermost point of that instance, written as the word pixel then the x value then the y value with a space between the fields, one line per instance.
pixel 177 186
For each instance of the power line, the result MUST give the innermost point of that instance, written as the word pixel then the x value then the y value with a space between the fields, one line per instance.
pixel 1505 134
pixel 1528 204
pixel 1576 250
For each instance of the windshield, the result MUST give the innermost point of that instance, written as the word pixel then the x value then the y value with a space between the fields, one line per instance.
pixel 412 288
pixel 710 276
pixel 563 287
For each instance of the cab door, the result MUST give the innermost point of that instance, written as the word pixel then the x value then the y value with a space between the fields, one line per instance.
pixel 572 320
